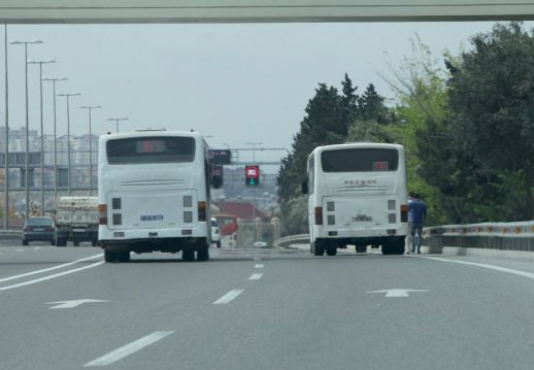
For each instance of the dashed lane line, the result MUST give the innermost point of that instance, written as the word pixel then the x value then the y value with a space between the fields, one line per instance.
pixel 128 349
pixel 258 266
pixel 229 297
pixel 255 276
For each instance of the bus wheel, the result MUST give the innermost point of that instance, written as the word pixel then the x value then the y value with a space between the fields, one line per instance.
pixel 203 253
pixel 124 256
pixel 361 248
pixel 331 251
pixel 109 256
pixel 188 255
pixel 318 249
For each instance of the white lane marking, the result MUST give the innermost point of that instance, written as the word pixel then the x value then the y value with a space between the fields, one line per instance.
pixel 255 276
pixel 73 304
pixel 257 259
pixel 258 266
pixel 50 268
pixel 49 277
pixel 483 265
pixel 128 349
pixel 229 297
pixel 398 293
pixel 36 248
pixel 528 275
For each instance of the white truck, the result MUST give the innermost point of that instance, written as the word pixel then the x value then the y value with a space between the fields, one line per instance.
pixel 77 220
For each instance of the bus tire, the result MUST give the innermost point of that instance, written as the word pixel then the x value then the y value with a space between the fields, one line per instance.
pixel 188 255
pixel 361 249
pixel 203 253
pixel 124 256
pixel 386 249
pixel 109 256
pixel 318 249
pixel 331 251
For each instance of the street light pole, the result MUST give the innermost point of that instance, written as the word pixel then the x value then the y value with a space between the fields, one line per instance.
pixel 6 167
pixel 90 108
pixel 68 141
pixel 54 80
pixel 27 164
pixel 117 120
pixel 42 127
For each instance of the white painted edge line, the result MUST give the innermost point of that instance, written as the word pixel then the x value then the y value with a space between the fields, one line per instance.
pixel 255 276
pixel 49 277
pixel 50 268
pixel 128 349
pixel 528 275
pixel 229 297
pixel 258 266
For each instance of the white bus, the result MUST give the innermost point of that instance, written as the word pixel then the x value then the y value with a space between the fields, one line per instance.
pixel 357 196
pixel 154 194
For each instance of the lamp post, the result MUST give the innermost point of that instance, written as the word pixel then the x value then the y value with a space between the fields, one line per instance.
pixel 117 120
pixel 68 139
pixel 27 164
pixel 6 167
pixel 54 80
pixel 254 150
pixel 42 126
pixel 90 108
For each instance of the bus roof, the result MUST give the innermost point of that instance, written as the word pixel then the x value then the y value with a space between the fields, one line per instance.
pixel 148 133
pixel 322 148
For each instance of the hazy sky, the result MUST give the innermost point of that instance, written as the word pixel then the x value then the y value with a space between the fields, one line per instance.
pixel 236 83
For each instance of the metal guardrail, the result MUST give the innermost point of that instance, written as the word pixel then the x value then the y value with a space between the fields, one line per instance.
pixel 293 239
pixel 515 236
pixel 518 236
pixel 10 234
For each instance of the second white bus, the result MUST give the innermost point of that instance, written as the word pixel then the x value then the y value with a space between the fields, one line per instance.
pixel 357 196
pixel 154 194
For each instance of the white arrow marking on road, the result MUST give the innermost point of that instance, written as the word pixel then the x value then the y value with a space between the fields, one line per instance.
pixel 72 304
pixel 398 293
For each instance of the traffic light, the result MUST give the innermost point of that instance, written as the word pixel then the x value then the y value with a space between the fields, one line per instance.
pixel 252 175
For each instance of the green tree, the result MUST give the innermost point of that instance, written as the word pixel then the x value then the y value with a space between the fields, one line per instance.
pixel 492 97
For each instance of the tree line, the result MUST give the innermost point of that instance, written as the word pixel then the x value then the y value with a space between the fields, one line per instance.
pixel 466 122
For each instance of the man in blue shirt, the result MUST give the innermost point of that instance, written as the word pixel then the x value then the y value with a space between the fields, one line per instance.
pixel 417 208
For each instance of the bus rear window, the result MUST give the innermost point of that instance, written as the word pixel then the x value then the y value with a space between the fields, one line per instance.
pixel 142 150
pixel 360 160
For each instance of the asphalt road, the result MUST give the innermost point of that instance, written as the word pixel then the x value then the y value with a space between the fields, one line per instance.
pixel 63 308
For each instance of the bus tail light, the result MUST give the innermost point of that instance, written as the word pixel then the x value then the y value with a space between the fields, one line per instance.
pixel 202 211
pixel 102 214
pixel 404 212
pixel 318 215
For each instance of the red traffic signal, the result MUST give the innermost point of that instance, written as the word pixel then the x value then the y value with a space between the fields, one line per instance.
pixel 252 175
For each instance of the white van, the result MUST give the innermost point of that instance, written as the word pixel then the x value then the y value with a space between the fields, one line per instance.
pixel 154 194
pixel 357 196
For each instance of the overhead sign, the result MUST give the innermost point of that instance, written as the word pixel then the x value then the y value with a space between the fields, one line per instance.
pixel 220 156
pixel 259 11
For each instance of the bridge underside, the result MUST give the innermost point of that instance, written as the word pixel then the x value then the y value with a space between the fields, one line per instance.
pixel 259 11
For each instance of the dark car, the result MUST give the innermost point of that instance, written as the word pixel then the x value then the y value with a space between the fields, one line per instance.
pixel 39 229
